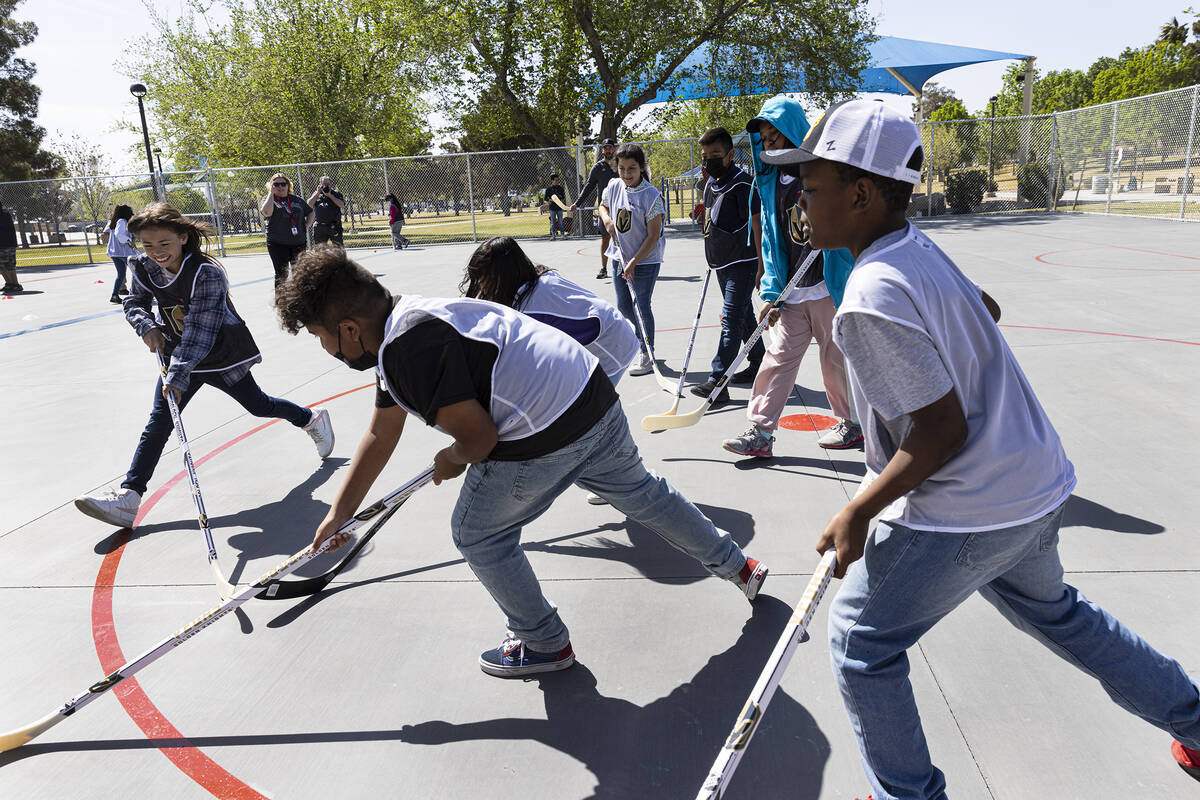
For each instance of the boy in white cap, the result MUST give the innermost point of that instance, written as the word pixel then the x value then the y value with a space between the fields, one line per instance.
pixel 970 478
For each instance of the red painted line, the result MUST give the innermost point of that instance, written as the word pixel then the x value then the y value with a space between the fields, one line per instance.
pixel 1042 257
pixel 190 760
pixel 688 328
pixel 56 277
pixel 1102 333
pixel 1105 244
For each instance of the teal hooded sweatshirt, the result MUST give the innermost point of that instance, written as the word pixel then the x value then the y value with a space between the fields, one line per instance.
pixel 788 116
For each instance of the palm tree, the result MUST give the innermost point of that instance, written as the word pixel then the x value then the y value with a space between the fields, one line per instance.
pixel 1173 32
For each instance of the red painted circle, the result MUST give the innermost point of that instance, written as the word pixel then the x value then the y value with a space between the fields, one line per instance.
pixel 137 704
pixel 807 422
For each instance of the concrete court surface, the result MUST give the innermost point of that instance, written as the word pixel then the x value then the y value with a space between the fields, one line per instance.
pixel 372 689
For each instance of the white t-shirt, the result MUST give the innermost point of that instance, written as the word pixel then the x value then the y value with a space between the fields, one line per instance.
pixel 930 332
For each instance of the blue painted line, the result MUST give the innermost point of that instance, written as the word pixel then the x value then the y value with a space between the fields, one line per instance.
pixel 50 325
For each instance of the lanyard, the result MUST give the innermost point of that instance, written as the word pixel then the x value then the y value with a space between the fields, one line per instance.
pixel 287 204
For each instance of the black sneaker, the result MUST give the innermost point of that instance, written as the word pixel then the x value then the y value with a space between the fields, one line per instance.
pixel 114 299
pixel 511 659
pixel 602 273
pixel 744 376
pixel 12 288
pixel 706 388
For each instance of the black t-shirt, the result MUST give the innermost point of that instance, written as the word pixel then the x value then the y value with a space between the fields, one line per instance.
pixel 598 179
pixel 554 191
pixel 288 214
pixel 788 216
pixel 8 231
pixel 326 210
pixel 432 365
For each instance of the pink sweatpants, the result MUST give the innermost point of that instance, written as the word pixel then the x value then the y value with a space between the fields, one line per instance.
pixel 799 324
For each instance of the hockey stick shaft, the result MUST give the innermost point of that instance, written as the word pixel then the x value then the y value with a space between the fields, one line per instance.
pixel 768 681
pixel 637 314
pixel 660 422
pixel 20 736
pixel 224 586
pixel 687 358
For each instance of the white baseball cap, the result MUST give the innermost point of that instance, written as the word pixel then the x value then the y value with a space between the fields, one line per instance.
pixel 862 133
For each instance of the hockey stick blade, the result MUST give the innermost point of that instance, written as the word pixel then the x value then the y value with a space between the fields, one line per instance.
pixel 20 736
pixel 286 590
pixel 768 681
pixel 663 422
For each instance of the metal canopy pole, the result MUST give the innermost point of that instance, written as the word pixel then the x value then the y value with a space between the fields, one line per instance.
pixel 1112 151
pixel 1187 161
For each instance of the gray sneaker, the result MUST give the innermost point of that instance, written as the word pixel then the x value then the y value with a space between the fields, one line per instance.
pixel 843 436
pixel 751 443
pixel 118 507
pixel 321 431
pixel 642 365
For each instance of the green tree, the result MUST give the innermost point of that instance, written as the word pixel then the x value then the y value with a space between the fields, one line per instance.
pixel 552 64
pixel 285 82
pixel 21 154
pixel 933 97
pixel 86 162
pixel 1156 68
pixel 1173 32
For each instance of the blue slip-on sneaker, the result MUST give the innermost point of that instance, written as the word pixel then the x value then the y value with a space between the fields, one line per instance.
pixel 511 659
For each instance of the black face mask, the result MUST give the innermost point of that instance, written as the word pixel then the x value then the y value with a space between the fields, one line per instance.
pixel 364 362
pixel 716 167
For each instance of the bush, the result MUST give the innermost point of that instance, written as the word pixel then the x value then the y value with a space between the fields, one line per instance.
pixel 964 190
pixel 1032 183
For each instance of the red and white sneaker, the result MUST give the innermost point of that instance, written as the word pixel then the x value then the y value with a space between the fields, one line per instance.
pixel 751 577
pixel 1187 758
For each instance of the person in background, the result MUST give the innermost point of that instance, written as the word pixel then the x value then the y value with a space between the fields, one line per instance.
pixel 603 172
pixel 396 222
pixel 327 204
pixel 120 247
pixel 8 253
pixel 288 219
pixel 555 189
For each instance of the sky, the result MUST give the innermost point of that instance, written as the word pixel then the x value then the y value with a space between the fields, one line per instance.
pixel 84 91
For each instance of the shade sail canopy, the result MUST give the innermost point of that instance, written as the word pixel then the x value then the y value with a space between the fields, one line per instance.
pixel 912 60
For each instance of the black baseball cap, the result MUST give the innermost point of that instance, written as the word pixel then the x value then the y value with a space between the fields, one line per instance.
pixel 609 141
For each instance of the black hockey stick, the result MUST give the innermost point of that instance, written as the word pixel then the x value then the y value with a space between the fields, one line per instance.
pixel 285 590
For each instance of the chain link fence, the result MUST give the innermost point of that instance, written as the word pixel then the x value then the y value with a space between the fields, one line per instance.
pixel 1135 156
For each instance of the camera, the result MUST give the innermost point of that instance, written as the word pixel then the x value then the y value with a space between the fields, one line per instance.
pixel 326 189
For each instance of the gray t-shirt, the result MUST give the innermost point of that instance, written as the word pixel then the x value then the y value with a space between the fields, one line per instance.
pixel 914 378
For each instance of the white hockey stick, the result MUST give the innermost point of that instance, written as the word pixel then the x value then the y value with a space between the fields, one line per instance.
pixel 663 422
pixel 223 586
pixel 687 359
pixel 20 736
pixel 666 385
pixel 768 681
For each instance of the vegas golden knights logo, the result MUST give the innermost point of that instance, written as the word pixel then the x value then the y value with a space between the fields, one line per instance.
pixel 174 318
pixel 795 229
pixel 624 220
pixel 706 226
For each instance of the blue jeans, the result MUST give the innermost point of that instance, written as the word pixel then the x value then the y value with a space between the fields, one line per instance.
pixel 499 498
pixel 556 220
pixel 737 320
pixel 644 276
pixel 119 262
pixel 908 580
pixel 159 427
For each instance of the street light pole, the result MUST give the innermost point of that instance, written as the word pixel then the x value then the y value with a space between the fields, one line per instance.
pixel 991 139
pixel 138 90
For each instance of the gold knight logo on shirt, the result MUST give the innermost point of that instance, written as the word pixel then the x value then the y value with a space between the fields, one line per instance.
pixel 174 318
pixel 795 228
pixel 624 220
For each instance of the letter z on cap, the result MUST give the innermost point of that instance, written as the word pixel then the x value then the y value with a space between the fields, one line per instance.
pixel 862 133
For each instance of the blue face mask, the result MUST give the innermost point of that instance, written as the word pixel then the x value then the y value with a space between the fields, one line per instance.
pixel 364 362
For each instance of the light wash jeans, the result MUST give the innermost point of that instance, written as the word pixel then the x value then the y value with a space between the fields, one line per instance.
pixel 498 498
pixel 644 278
pixel 908 580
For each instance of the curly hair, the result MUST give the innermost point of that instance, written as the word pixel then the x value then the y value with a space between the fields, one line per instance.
pixel 500 271
pixel 324 288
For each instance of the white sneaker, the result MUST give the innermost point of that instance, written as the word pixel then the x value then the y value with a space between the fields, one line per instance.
pixel 321 431
pixel 642 365
pixel 114 507
pixel 596 499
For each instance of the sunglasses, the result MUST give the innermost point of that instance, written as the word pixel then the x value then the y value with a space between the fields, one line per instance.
pixel 284 185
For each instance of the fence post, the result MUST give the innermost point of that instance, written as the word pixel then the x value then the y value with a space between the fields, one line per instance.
pixel 929 175
pixel 300 191
pixel 471 199
pixel 216 212
pixel 1112 151
pixel 386 189
pixel 1187 160
pixel 1051 169
pixel 87 242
